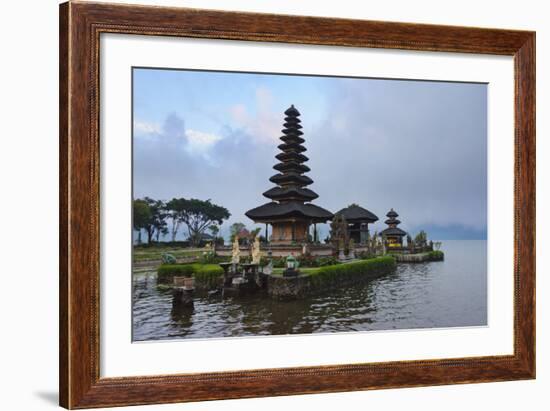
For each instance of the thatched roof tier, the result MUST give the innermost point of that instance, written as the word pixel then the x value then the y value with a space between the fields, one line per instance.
pixel 292 111
pixel 393 231
pixel 392 214
pixel 291 156
pixel 291 178
pixel 291 138
pixel 294 193
pixel 292 210
pixel 292 167
pixel 357 214
pixel 294 147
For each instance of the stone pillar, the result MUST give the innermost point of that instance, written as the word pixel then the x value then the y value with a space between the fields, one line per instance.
pixel 314 232
pixel 183 297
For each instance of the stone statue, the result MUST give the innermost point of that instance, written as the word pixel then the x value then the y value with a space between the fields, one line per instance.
pixel 268 269
pixel 256 253
pixel 351 247
pixel 236 253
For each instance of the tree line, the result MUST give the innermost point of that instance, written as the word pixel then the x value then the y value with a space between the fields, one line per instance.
pixel 157 217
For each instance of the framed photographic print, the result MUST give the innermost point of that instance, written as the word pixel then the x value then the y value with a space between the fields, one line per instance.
pixel 259 205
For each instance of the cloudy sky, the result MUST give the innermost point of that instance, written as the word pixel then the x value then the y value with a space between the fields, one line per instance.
pixel 417 146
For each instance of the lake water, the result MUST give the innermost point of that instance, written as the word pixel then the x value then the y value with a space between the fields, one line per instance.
pixel 450 293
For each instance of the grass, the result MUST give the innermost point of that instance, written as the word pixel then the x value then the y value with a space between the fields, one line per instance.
pixel 303 270
pixel 155 253
pixel 205 275
pixel 436 255
pixel 345 269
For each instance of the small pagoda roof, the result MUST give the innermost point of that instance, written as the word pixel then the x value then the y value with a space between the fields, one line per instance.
pixel 392 221
pixel 287 193
pixel 281 211
pixel 393 231
pixel 292 111
pixel 291 178
pixel 295 147
pixel 291 156
pixel 291 138
pixel 292 123
pixel 292 131
pixel 392 214
pixel 291 166
pixel 357 214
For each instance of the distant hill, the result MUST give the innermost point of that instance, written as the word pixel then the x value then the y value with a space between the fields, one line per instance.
pixel 451 232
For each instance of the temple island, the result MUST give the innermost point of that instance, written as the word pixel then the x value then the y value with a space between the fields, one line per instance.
pixel 292 261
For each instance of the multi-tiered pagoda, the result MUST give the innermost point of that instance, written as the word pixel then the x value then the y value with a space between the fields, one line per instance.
pixel 393 234
pixel 290 212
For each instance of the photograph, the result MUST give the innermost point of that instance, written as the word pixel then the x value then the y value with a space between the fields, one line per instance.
pixel 268 204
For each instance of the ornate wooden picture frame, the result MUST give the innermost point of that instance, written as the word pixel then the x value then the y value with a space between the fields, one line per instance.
pixel 81 25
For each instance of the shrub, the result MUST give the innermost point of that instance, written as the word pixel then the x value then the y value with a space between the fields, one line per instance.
pixel 166 272
pixel 324 261
pixel 436 255
pixel 364 255
pixel 208 257
pixel 206 275
pixel 334 274
pixel 305 261
pixel 167 258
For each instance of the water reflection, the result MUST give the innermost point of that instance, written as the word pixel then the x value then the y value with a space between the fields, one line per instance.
pixel 440 294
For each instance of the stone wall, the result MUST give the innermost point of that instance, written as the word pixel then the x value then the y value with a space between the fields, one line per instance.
pixel 286 288
pixel 316 250
pixel 420 257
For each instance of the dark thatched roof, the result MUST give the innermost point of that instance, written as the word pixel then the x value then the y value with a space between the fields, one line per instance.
pixel 277 193
pixel 275 211
pixel 357 214
pixel 296 147
pixel 392 221
pixel 291 156
pixel 291 178
pixel 292 166
pixel 292 111
pixel 393 231
pixel 392 214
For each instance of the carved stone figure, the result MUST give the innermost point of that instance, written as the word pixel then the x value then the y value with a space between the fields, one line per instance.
pixel 256 253
pixel 351 247
pixel 236 253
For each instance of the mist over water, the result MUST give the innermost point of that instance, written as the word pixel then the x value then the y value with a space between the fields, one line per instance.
pixel 450 293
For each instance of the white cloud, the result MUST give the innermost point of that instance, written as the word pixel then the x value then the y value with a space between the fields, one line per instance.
pixel 265 125
pixel 143 127
pixel 200 142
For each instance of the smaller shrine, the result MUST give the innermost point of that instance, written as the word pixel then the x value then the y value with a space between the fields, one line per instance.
pixel 393 234
pixel 358 220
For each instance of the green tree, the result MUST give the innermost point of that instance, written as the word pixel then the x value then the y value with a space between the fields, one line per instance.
pixel 141 216
pixel 235 229
pixel 157 222
pixel 421 238
pixel 214 230
pixel 199 215
pixel 255 232
pixel 174 208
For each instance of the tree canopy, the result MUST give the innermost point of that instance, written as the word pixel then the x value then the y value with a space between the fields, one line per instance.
pixel 141 216
pixel 199 215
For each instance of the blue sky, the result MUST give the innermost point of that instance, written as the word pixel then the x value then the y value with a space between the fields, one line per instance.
pixel 419 147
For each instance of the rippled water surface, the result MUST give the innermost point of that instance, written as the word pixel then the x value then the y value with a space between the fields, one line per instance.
pixel 450 293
